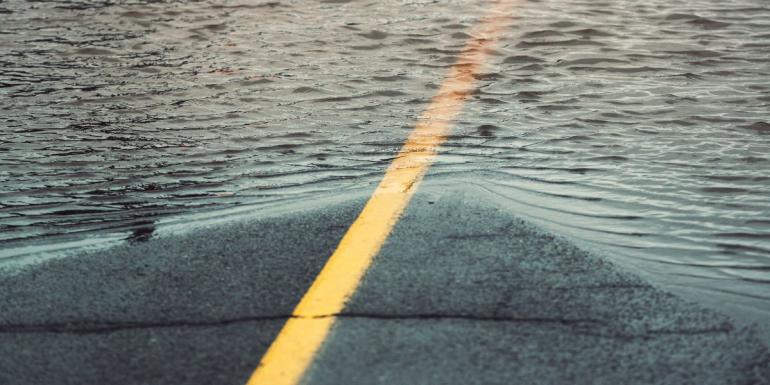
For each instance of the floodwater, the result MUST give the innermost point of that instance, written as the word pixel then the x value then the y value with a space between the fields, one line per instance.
pixel 642 127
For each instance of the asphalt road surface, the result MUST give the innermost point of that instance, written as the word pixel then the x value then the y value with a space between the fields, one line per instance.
pixel 409 284
pixel 462 292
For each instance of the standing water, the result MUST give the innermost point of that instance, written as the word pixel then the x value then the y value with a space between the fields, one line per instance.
pixel 640 128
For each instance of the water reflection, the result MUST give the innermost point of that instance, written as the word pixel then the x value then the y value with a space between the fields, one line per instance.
pixel 643 127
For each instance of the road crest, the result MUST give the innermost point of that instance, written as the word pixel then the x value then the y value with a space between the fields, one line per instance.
pixel 295 347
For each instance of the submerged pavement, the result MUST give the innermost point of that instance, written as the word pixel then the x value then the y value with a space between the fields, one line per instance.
pixel 462 292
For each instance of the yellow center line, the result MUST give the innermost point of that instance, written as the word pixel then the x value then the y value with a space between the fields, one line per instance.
pixel 293 350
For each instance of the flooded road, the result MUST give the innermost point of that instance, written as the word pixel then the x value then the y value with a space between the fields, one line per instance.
pixel 643 129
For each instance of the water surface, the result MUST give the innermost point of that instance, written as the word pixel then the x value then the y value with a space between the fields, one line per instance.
pixel 643 128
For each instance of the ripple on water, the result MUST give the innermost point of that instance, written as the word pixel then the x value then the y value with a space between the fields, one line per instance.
pixel 641 127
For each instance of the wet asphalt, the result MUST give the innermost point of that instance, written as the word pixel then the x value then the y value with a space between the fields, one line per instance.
pixel 643 127
pixel 462 292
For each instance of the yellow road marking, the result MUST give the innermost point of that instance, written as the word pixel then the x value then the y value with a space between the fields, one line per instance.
pixel 293 350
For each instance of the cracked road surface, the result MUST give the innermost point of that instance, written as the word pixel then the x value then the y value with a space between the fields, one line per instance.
pixel 462 292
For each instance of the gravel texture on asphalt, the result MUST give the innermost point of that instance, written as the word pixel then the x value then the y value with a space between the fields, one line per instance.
pixel 462 292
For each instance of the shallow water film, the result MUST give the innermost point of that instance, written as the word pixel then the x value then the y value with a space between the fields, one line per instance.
pixel 642 127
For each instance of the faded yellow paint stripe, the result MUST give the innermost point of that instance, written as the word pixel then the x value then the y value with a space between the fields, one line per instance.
pixel 293 350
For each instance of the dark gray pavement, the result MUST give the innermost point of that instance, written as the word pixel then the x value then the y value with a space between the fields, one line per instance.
pixel 461 293
pixel 195 309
